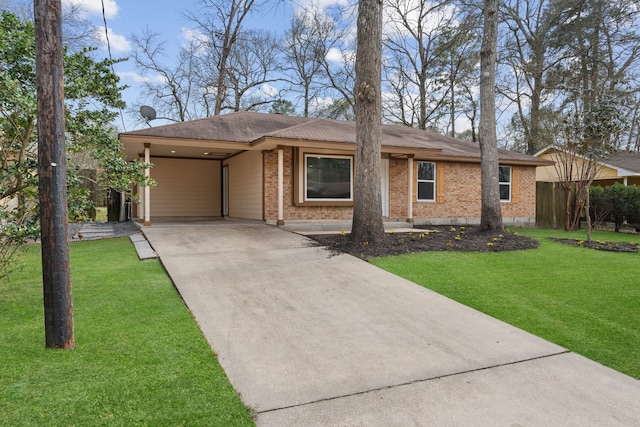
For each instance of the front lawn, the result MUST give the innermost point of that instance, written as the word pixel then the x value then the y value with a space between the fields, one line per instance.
pixel 583 299
pixel 139 359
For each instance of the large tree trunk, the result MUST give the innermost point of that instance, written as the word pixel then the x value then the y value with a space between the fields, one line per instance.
pixel 367 223
pixel 491 216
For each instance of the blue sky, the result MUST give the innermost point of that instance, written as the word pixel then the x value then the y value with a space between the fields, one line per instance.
pixel 126 17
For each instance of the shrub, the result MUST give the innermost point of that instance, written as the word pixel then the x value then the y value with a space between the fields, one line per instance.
pixel 615 203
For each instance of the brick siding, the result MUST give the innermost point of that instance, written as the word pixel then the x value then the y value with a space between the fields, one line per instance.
pixel 461 202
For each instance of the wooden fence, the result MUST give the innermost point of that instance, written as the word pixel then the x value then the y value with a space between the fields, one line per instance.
pixel 550 209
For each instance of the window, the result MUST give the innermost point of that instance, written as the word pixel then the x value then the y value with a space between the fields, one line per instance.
pixel 328 178
pixel 504 177
pixel 426 181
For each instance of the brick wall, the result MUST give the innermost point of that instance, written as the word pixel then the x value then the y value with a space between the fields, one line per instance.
pixel 461 202
pixel 292 212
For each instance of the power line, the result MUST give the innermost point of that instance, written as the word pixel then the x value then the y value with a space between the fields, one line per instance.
pixel 106 34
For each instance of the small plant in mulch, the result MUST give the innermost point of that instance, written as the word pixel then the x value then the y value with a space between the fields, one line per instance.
pixel 600 245
pixel 446 238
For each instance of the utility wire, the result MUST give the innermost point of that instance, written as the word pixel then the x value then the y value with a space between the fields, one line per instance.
pixel 113 70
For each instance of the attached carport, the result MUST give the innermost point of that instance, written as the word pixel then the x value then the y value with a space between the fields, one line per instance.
pixel 186 187
pixel 188 174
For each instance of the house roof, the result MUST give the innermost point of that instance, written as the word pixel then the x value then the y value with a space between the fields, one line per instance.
pixel 626 163
pixel 627 160
pixel 230 133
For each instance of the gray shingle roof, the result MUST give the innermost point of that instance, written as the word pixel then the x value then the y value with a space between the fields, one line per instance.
pixel 247 127
pixel 626 160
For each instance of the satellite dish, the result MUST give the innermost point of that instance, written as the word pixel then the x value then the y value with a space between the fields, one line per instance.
pixel 147 113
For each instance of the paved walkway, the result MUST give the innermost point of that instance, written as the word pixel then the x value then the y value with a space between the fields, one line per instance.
pixel 312 339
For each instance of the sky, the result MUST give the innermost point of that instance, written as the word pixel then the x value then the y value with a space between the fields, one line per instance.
pixel 166 17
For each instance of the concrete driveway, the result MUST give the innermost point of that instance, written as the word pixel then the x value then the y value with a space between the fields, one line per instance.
pixel 310 338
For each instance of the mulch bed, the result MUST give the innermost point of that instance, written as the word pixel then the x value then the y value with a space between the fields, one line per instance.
pixel 462 239
pixel 600 245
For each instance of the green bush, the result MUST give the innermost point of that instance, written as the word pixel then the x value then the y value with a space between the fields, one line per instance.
pixel 616 203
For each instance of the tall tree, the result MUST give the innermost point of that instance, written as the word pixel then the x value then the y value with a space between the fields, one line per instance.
pixel 491 215
pixel 530 51
pixel 339 68
pixel 52 169
pixel 425 43
pixel 171 89
pixel 309 38
pixel 221 21
pixel 367 223
pixel 253 67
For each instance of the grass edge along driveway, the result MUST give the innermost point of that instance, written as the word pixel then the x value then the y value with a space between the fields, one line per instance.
pixel 583 299
pixel 139 359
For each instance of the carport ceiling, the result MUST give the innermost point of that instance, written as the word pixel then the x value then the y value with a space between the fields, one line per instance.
pixel 190 152
pixel 180 149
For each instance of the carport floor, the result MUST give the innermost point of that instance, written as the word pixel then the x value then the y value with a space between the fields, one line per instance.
pixel 313 338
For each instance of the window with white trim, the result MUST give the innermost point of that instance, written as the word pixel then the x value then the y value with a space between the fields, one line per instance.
pixel 328 178
pixel 426 181
pixel 504 178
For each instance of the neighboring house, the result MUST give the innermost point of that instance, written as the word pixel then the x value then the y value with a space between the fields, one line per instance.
pixel 279 169
pixel 623 167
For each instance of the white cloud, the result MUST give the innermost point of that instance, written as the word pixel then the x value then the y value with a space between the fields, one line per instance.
pixel 118 42
pixel 139 78
pixel 268 90
pixel 322 4
pixel 341 57
pixel 193 36
pixel 94 7
pixel 322 102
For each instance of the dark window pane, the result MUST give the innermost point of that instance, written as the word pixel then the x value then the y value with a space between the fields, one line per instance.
pixel 425 191
pixel 426 170
pixel 328 178
pixel 504 192
pixel 504 173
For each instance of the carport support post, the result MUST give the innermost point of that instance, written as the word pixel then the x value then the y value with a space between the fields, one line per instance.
pixel 141 196
pixel 280 186
pixel 410 189
pixel 147 195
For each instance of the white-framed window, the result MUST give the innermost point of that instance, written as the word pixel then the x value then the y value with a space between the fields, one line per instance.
pixel 426 181
pixel 328 177
pixel 504 178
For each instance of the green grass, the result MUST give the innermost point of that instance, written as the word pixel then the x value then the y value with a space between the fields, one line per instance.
pixel 582 299
pixel 139 357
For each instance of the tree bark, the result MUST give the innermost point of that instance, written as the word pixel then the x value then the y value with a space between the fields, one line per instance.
pixel 52 167
pixel 491 215
pixel 367 223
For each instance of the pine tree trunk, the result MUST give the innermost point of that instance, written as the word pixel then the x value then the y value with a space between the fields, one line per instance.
pixel 491 215
pixel 367 223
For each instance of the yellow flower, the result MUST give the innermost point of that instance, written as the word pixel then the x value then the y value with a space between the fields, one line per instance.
pixel 490 244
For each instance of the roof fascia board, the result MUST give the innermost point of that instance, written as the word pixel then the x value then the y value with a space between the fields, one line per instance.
pixel 270 142
pixel 186 142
